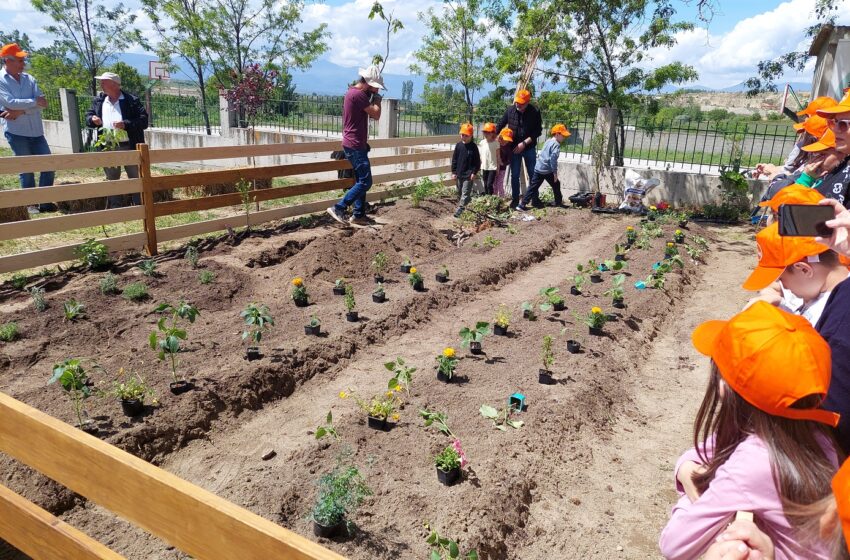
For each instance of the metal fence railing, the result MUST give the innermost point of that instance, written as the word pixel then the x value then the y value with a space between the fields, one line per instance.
pixel 320 114
pixel 184 112
pixel 53 111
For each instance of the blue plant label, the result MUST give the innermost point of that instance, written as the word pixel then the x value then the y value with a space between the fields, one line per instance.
pixel 641 285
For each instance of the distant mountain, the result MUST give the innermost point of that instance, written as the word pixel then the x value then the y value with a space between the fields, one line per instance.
pixel 798 86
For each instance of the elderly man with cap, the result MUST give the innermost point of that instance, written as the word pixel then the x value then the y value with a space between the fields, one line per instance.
pixel 21 102
pixel 526 124
pixel 123 116
pixel 361 102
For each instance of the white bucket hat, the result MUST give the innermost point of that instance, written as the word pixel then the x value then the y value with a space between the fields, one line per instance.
pixel 109 76
pixel 372 76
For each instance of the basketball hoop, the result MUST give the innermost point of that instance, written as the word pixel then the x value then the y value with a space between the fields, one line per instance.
pixel 158 70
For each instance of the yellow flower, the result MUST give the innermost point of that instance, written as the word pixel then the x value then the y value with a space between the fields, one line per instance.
pixel 297 281
pixel 389 393
pixel 678 232
pixel 413 270
pixel 596 310
pixel 630 228
pixel 343 395
pixel 669 244
pixel 396 417
pixel 653 208
pixel 398 388
pixel 449 352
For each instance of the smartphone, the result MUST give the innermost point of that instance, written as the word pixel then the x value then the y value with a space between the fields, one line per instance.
pixel 805 220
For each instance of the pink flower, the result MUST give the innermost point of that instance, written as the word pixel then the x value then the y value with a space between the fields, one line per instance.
pixel 459 449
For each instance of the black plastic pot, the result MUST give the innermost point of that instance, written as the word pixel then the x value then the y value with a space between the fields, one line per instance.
pixel 180 387
pixel 301 302
pixel 573 346
pixel 499 330
pixel 406 268
pixel 651 218
pixel 379 279
pixel 596 278
pixel 339 290
pixel 544 377
pixel 527 314
pixel 89 427
pixel 419 286
pixel 253 353
pixel 683 223
pixel 595 331
pixel 441 278
pixel 448 477
pixel 379 298
pixel 559 306
pixel 618 303
pixel 443 377
pixel 314 331
pixel 351 316
pixel 377 423
pixel 575 291
pixel 475 347
pixel 679 240
pixel 132 407
pixel 328 531
pixel 619 257
pixel 612 317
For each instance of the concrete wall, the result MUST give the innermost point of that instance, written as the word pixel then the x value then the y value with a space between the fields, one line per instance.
pixel 56 133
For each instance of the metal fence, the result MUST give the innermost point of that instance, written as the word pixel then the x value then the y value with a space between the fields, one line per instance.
pixel 53 111
pixel 321 114
pixel 184 112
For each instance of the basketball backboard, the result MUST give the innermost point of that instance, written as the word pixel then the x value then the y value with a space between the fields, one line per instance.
pixel 158 70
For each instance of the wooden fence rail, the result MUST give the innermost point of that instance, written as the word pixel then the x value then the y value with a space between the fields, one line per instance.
pixel 148 184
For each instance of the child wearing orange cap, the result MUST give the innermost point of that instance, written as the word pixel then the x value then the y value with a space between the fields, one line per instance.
pixel 488 147
pixel 505 139
pixel 546 169
pixel 762 442
pixel 466 162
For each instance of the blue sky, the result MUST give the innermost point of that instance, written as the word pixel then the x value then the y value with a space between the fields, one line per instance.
pixel 724 52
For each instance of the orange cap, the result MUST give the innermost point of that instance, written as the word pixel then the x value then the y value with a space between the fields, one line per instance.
pixel 560 129
pixel 12 49
pixel 466 129
pixel 776 253
pixel 824 142
pixel 793 194
pixel 489 127
pixel 507 135
pixel 842 106
pixel 815 126
pixel 522 96
pixel 823 102
pixel 753 350
pixel 841 490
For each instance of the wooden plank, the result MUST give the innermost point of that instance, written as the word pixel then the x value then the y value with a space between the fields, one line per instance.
pixel 411 174
pixel 409 158
pixel 413 141
pixel 29 228
pixel 190 518
pixel 167 182
pixel 44 257
pixel 58 162
pixel 27 197
pixel 223 200
pixel 42 536
pixel 151 247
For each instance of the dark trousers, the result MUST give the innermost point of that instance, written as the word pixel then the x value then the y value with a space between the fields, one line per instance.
pixel 114 174
pixel 530 158
pixel 489 177
pixel 533 192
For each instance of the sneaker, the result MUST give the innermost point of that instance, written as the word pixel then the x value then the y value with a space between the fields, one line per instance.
pixel 361 221
pixel 521 208
pixel 47 207
pixel 33 209
pixel 458 212
pixel 337 215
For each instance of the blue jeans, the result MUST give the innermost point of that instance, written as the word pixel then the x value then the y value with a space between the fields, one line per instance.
pixel 31 146
pixel 530 157
pixel 356 195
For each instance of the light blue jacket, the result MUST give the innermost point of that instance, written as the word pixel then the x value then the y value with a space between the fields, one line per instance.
pixel 547 159
pixel 21 94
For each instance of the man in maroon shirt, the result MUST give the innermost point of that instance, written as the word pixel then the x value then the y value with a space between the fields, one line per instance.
pixel 361 102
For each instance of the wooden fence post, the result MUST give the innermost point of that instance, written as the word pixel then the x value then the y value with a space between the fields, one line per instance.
pixel 147 198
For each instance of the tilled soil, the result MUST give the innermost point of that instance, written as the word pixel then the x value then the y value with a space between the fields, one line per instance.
pixel 526 492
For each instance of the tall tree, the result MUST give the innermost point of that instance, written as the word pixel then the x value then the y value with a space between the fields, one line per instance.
pixel 90 31
pixel 393 26
pixel 598 48
pixel 455 49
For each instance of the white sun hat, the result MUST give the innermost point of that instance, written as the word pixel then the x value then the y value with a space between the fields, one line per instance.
pixel 372 76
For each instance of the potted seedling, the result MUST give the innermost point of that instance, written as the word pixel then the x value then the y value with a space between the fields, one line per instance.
pixel 450 463
pixel 340 493
pixel 339 287
pixel 593 270
pixel 683 219
pixel 631 236
pixel 443 276
pixel 415 279
pixel 406 265
pixel 74 380
pixel 579 280
pixel 379 265
pixel 528 311
pixel 544 376
pixel 379 295
pixel 613 265
pixel 573 346
pixel 257 319
pixel 616 291
pixel 131 391
pixel 501 320
pixel 402 375
pixel 379 409
pixel 351 315
pixel 619 252
pixel 679 236
pixel 552 299
pixel 313 327
pixel 472 338
pixel 671 250
pixel 299 292
pixel 594 320
pixel 446 364
pixel 652 214
pixel 444 548
pixel 166 339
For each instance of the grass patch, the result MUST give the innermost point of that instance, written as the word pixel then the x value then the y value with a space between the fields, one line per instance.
pixel 9 332
pixel 137 291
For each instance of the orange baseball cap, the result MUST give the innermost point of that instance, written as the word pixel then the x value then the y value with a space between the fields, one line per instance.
pixel 841 491
pixel 815 126
pixel 12 49
pixel 466 129
pixel 522 96
pixel 507 135
pixel 842 106
pixel 777 252
pixel 489 127
pixel 822 102
pixel 824 142
pixel 560 129
pixel 793 194
pixel 753 351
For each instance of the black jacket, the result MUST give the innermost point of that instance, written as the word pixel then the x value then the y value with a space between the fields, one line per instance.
pixel 132 110
pixel 466 160
pixel 528 124
pixel 836 182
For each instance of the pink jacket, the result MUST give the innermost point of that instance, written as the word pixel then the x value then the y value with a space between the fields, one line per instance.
pixel 743 483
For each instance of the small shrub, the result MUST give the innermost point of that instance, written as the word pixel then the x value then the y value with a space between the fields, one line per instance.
pixel 93 254
pixel 491 242
pixel 38 301
pixel 349 298
pixel 192 256
pixel 9 332
pixel 73 310
pixel 109 284
pixel 19 281
pixel 206 277
pixel 137 291
pixel 148 267
pixel 340 492
pixel 379 263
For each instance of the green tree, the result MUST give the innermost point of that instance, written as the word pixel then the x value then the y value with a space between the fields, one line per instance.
pixel 492 106
pixel 15 36
pixel 441 105
pixel 55 68
pixel 91 32
pixel 393 26
pixel 454 50
pixel 131 80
